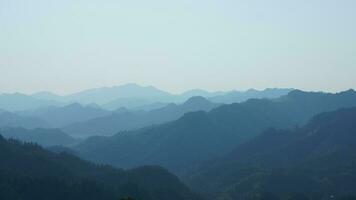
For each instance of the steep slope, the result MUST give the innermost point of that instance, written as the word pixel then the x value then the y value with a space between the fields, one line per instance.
pixel 44 137
pixel 31 173
pixel 121 121
pixel 201 136
pixel 317 159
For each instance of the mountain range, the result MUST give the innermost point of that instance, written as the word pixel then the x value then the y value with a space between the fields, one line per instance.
pixel 207 135
pixel 9 119
pixel 316 161
pixel 128 120
pixel 131 96
pixel 272 144
pixel 65 115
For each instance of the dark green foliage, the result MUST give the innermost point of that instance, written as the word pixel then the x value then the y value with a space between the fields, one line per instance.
pixel 29 172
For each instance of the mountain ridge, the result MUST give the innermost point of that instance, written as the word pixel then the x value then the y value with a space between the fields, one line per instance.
pixel 324 149
pixel 208 134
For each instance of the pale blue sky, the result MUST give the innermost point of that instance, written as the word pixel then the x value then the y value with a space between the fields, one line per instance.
pixel 68 45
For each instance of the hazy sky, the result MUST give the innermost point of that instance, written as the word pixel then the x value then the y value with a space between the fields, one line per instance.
pixel 69 45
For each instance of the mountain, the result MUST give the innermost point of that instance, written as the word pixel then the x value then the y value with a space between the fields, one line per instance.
pixel 44 137
pixel 129 120
pixel 105 95
pixel 200 92
pixel 315 161
pixel 129 103
pixel 200 136
pixel 19 102
pixel 240 96
pixel 151 106
pixel 61 116
pixel 127 95
pixel 133 95
pixel 31 173
pixel 8 119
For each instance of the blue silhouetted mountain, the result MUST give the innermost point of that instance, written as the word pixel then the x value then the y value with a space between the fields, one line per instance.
pixel 129 103
pixel 316 159
pixel 132 96
pixel 20 102
pixel 8 119
pixel 108 94
pixel 240 96
pixel 200 92
pixel 44 137
pixel 72 113
pixel 129 120
pixel 200 136
pixel 151 106
pixel 30 172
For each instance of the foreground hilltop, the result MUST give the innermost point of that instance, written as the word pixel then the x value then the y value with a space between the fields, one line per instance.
pixel 29 172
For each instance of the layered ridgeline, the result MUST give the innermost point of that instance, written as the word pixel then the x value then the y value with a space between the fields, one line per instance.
pixel 240 96
pixel 65 115
pixel 122 119
pixel 29 172
pixel 108 95
pixel 317 161
pixel 131 96
pixel 8 119
pixel 200 136
pixel 42 136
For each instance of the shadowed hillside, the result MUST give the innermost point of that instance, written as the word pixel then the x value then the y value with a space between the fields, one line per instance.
pixel 200 136
pixel 129 120
pixel 29 172
pixel 316 161
pixel 44 137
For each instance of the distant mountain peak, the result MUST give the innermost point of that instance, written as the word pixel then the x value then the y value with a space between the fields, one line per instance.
pixel 196 100
pixel 349 91
pixel 296 93
pixel 74 105
pixel 252 90
pixel 93 105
